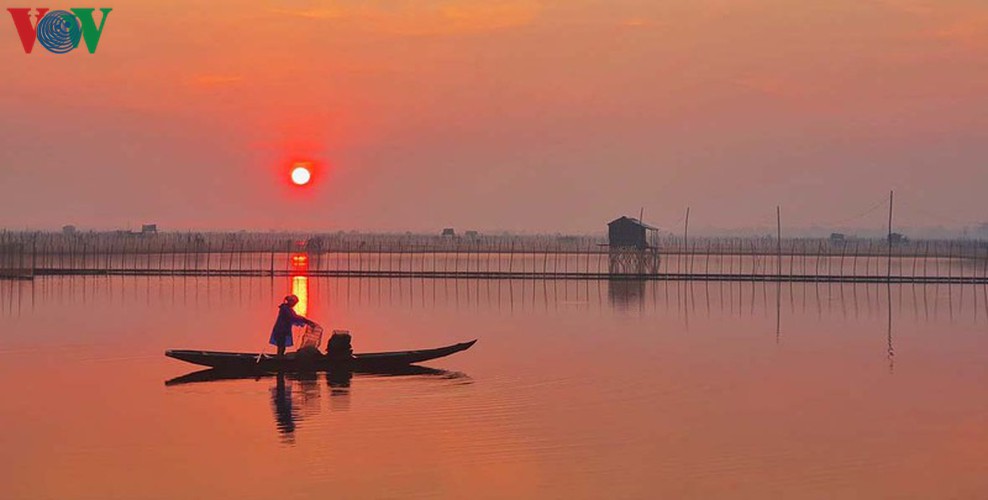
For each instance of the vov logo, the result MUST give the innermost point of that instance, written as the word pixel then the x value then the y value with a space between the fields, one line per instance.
pixel 59 31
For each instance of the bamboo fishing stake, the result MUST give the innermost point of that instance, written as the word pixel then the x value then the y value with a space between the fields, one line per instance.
pixel 686 239
pixel 891 195
pixel 778 219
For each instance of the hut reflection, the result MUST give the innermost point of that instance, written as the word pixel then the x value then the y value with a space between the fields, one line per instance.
pixel 625 293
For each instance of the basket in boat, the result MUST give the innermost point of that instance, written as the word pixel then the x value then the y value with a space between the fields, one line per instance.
pixel 311 337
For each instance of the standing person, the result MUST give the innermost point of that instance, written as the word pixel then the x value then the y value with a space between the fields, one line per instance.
pixel 281 334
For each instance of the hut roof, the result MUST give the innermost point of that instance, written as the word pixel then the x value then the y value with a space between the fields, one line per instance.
pixel 633 221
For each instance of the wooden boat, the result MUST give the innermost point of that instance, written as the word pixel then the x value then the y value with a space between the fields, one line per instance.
pixel 295 361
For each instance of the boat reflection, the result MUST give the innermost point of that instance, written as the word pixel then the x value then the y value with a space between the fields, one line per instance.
pixel 293 406
pixel 339 378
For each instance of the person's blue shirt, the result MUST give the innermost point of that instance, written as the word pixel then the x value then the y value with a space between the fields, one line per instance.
pixel 281 334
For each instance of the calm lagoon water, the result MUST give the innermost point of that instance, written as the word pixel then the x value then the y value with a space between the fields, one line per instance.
pixel 576 389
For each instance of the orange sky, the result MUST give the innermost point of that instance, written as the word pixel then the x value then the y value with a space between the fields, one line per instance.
pixel 512 114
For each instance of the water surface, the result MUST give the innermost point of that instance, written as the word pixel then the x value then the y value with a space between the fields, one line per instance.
pixel 576 389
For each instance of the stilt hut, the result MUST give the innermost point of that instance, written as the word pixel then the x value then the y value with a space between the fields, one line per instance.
pixel 632 247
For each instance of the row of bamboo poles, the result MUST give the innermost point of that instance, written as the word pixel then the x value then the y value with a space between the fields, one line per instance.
pixel 15 261
pixel 26 254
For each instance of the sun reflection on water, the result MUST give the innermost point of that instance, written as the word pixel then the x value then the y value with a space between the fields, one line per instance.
pixel 300 282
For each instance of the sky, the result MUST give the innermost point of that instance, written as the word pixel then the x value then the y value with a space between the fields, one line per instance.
pixel 501 115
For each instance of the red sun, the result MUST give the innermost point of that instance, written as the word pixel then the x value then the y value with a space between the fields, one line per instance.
pixel 301 175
